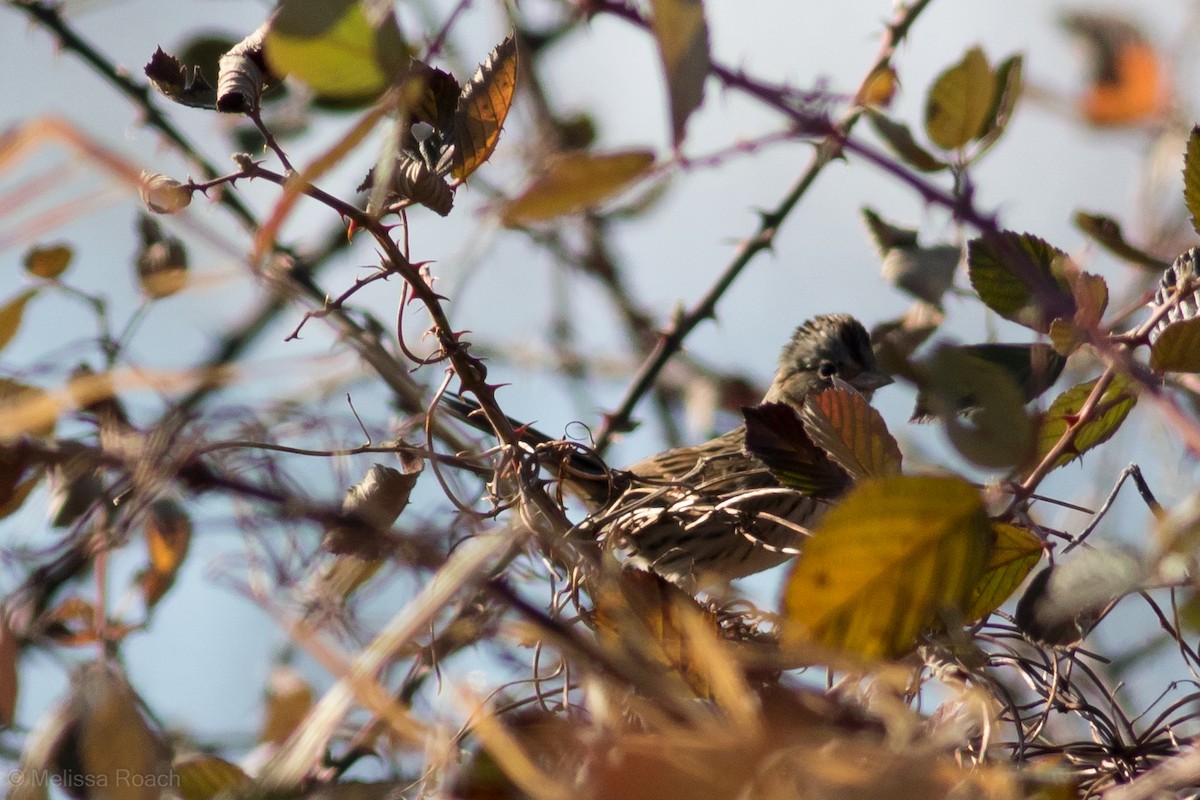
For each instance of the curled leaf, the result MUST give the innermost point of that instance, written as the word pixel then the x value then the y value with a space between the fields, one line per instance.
pixel 168 533
pixel 415 180
pixel 243 74
pixel 162 194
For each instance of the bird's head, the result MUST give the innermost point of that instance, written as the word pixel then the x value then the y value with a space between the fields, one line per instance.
pixel 826 350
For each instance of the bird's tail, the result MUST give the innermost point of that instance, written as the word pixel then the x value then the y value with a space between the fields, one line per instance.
pixel 579 468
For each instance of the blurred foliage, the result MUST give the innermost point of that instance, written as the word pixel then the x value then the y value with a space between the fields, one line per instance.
pixel 888 667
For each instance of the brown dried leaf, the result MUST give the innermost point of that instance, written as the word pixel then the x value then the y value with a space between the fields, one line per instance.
pixel 169 76
pixel 243 74
pixel 483 108
pixel 10 652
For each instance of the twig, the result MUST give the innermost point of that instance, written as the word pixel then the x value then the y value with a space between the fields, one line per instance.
pixel 762 239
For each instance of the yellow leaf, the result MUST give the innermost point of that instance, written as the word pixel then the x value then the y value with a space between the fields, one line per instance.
pixel 289 697
pixel 10 316
pixel 336 47
pixel 573 182
pixel 1015 552
pixel 205 777
pixel 113 743
pixel 483 108
pixel 682 36
pixel 897 556
pixel 26 409
pixel 960 101
pixel 879 88
pixel 48 262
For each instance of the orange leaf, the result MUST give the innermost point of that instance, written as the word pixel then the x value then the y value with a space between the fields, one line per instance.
pixel 483 108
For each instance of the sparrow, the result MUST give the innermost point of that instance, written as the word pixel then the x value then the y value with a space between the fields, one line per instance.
pixel 713 512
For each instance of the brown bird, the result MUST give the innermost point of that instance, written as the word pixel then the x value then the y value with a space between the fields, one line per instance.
pixel 713 512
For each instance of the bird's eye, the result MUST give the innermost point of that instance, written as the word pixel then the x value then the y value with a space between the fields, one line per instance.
pixel 827 369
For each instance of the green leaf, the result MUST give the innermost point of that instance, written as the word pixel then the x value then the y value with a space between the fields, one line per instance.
pixel 1106 232
pixel 1034 367
pixel 48 262
pixel 887 235
pixel 1115 404
pixel 11 314
pixel 776 435
pixel 573 182
pixel 483 107
pixel 853 434
pixel 899 556
pixel 1191 177
pixel 899 139
pixel 681 33
pixel 996 432
pixel 1009 83
pixel 960 101
pixel 1015 552
pixel 340 48
pixel 926 273
pixel 1177 348
pixel 1019 276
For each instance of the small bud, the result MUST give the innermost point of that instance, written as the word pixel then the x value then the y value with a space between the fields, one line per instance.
pixel 164 195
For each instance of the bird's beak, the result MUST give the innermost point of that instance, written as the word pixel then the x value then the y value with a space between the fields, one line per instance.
pixel 868 381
